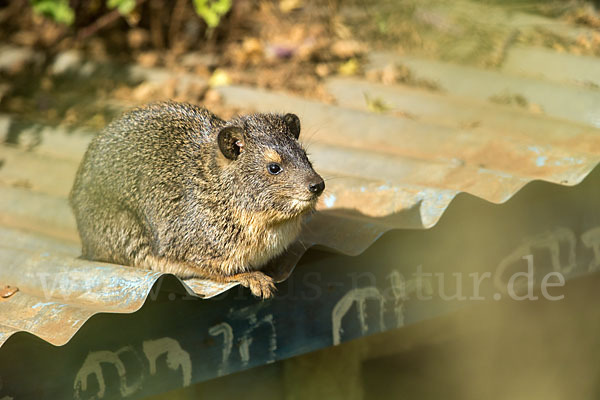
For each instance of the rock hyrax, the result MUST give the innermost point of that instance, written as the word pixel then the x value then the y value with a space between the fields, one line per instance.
pixel 173 188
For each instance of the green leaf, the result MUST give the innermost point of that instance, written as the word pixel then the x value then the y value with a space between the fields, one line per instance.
pixel 58 10
pixel 211 11
pixel 125 7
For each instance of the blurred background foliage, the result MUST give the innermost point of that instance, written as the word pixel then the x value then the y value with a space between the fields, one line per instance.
pixel 286 45
pixel 61 11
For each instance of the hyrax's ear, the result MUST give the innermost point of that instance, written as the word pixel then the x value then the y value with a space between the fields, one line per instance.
pixel 293 123
pixel 231 141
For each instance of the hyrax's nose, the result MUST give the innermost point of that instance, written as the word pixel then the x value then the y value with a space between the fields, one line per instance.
pixel 317 186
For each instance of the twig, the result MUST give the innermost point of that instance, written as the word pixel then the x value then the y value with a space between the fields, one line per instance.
pixel 156 31
pixel 102 23
pixel 176 19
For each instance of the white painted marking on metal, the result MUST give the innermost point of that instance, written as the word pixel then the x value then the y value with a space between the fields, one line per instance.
pixel 176 356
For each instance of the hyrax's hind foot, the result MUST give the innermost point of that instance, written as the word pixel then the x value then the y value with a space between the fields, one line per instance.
pixel 260 284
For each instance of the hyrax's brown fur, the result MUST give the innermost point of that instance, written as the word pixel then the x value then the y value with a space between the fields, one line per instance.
pixel 173 188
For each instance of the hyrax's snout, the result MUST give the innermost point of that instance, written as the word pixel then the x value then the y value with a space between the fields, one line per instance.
pixel 316 186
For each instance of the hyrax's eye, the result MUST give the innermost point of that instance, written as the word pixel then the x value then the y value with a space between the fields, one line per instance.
pixel 274 168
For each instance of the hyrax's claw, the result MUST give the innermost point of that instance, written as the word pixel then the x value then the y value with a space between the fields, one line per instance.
pixel 260 284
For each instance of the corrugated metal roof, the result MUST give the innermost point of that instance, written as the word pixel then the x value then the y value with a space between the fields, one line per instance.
pixel 383 172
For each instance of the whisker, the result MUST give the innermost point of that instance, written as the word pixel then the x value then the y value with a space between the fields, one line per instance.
pixel 307 139
pixel 326 179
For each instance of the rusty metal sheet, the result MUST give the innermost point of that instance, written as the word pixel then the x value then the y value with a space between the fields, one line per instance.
pixel 57 292
pixel 575 103
pixel 383 172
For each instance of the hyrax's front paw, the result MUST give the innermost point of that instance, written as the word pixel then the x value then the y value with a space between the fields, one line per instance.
pixel 260 284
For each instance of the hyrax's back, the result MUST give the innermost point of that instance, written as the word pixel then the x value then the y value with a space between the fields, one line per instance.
pixel 147 146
